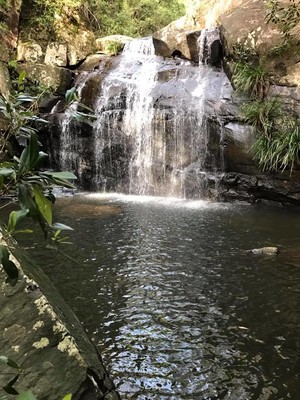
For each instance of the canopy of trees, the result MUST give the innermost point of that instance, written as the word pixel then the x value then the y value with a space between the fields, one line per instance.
pixel 127 17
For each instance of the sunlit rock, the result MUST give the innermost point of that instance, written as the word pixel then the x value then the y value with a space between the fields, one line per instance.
pixel 4 80
pixel 269 251
pixel 56 54
pixel 56 78
pixel 29 52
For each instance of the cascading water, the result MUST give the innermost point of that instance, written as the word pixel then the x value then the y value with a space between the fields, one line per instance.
pixel 138 70
pixel 151 135
pixel 69 150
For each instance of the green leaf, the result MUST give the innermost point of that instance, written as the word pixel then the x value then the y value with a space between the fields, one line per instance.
pixel 67 397
pixel 9 387
pixel 30 155
pixel 21 76
pixel 44 205
pixel 71 95
pixel 62 175
pixel 23 231
pixel 26 201
pixel 9 267
pixel 6 171
pixel 9 362
pixel 14 218
pixel 59 179
pixel 28 395
pixel 10 390
pixel 25 98
pixel 61 227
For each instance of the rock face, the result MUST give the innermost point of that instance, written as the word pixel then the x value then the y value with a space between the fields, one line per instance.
pixel 41 334
pixel 184 107
pixel 10 14
pixel 198 143
pixel 66 40
pixel 247 25
pixel 56 78
pixel 4 80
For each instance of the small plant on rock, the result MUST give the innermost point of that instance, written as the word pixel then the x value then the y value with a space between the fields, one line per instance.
pixel 262 114
pixel 251 79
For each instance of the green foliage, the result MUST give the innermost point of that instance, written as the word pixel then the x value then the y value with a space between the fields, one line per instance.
pixel 279 50
pixel 21 83
pixel 243 54
pixel 113 48
pixel 262 114
pixel 125 17
pixel 285 16
pixel 281 150
pixel 71 98
pixel 22 177
pixel 277 145
pixel 251 79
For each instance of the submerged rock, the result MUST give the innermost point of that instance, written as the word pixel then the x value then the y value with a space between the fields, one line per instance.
pixel 269 251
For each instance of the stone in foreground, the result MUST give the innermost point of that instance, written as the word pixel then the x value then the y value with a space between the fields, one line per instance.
pixel 41 334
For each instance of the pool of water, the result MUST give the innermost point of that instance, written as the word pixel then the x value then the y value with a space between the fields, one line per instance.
pixel 176 304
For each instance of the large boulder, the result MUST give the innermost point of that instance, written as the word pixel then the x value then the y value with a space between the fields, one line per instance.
pixel 161 48
pixel 175 35
pixel 56 54
pixel 56 78
pixel 66 40
pixel 246 25
pixel 29 52
pixel 80 45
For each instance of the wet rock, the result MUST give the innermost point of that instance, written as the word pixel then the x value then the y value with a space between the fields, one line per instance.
pixel 161 48
pixel 192 39
pixel 210 47
pixel 237 139
pixel 269 251
pixel 41 334
pixel 93 62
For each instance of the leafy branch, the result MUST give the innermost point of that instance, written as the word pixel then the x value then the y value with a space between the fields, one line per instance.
pixel 23 179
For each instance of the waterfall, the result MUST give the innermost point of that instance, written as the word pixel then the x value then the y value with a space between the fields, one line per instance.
pixel 138 70
pixel 210 46
pixel 69 145
pixel 154 132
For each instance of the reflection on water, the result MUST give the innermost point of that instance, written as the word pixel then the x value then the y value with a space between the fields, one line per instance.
pixel 177 306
